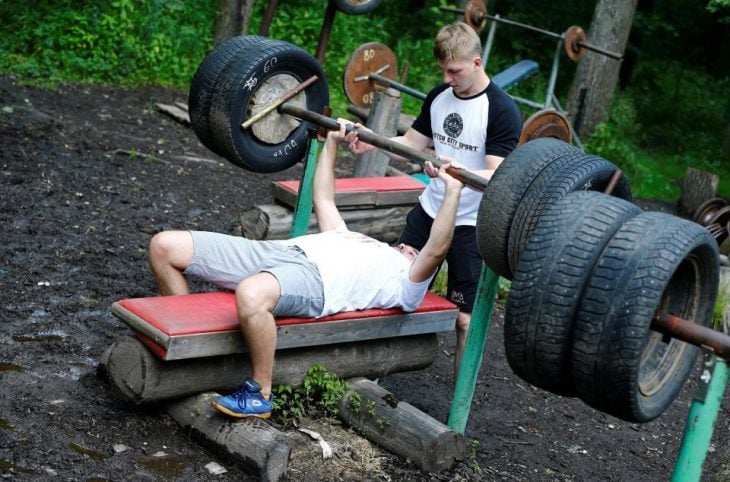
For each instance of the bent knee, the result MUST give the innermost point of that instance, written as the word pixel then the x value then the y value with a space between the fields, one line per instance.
pixel 173 247
pixel 257 294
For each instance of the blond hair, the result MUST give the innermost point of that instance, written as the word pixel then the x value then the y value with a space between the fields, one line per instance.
pixel 456 41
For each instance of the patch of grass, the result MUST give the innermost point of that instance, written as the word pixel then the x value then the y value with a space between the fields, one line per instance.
pixel 318 396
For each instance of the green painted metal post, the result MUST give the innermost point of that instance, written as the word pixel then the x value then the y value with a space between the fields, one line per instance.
pixel 476 338
pixel 701 421
pixel 303 207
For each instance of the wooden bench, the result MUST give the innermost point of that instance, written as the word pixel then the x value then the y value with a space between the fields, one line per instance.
pixel 206 324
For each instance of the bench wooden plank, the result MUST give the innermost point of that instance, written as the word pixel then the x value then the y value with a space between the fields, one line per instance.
pixel 359 192
pixel 206 324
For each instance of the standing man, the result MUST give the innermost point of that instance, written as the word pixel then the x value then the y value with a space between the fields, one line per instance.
pixel 307 276
pixel 470 119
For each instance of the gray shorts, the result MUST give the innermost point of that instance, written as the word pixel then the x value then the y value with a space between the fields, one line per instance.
pixel 227 260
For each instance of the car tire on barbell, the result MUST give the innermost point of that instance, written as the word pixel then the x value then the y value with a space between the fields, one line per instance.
pixel 254 80
pixel 206 78
pixel 565 175
pixel 357 7
pixel 655 262
pixel 548 281
pixel 504 193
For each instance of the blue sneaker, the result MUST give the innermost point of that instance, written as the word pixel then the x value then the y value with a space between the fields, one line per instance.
pixel 246 402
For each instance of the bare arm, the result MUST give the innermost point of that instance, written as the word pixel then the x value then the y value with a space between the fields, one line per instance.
pixel 442 230
pixel 328 216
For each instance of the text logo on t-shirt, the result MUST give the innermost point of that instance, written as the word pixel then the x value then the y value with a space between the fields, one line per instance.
pixel 453 125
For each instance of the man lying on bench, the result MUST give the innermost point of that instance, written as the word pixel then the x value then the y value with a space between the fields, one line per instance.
pixel 308 276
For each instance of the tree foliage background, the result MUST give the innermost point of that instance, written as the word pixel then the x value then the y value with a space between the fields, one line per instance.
pixel 672 109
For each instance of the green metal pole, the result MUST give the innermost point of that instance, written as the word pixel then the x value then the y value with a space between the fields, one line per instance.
pixel 476 338
pixel 303 207
pixel 701 421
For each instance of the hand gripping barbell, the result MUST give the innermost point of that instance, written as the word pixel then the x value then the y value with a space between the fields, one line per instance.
pixel 268 77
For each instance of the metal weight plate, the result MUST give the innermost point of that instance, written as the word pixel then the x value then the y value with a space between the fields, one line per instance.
pixel 368 58
pixel 572 39
pixel 707 210
pixel 546 123
pixel 475 15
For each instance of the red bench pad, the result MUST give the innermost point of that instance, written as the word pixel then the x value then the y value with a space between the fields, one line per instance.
pixel 178 322
pixel 380 184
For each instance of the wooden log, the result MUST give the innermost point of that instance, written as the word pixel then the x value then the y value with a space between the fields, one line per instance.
pixel 270 221
pixel 697 187
pixel 405 121
pixel 382 120
pixel 140 377
pixel 400 427
pixel 254 442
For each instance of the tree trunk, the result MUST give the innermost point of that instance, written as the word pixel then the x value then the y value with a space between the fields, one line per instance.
pixel 232 19
pixel 596 77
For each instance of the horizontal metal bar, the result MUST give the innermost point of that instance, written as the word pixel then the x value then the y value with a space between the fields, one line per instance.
pixel 467 177
pixel 692 333
pixel 397 86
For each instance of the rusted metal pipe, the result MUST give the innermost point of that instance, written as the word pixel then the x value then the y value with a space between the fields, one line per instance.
pixel 614 180
pixel 324 34
pixel 268 17
pixel 480 16
pixel 692 333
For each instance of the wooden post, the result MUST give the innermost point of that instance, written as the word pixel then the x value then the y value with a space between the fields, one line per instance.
pixel 383 120
pixel 400 427
pixel 697 187
pixel 140 377
pixel 254 442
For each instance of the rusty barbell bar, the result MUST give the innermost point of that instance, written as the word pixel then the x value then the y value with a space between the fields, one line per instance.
pixel 480 16
pixel 467 177
pixel 692 333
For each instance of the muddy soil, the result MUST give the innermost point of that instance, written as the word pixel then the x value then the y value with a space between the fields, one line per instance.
pixel 88 175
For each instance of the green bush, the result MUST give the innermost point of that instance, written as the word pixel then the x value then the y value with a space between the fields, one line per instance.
pixel 119 42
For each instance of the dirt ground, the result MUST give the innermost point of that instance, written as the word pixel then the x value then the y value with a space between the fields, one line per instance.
pixel 88 175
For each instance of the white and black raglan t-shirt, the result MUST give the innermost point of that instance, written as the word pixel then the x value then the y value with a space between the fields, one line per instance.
pixel 467 129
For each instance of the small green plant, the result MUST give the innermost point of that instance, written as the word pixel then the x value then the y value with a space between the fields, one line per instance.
pixel 721 306
pixel 318 396
pixel 472 456
pixel 503 291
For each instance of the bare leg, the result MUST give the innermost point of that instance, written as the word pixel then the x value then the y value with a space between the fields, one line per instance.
pixel 462 326
pixel 256 298
pixel 170 253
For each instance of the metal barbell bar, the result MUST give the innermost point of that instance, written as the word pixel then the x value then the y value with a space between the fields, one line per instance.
pixel 574 35
pixel 467 177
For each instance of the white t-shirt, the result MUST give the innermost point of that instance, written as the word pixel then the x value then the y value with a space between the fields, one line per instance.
pixel 467 129
pixel 359 272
